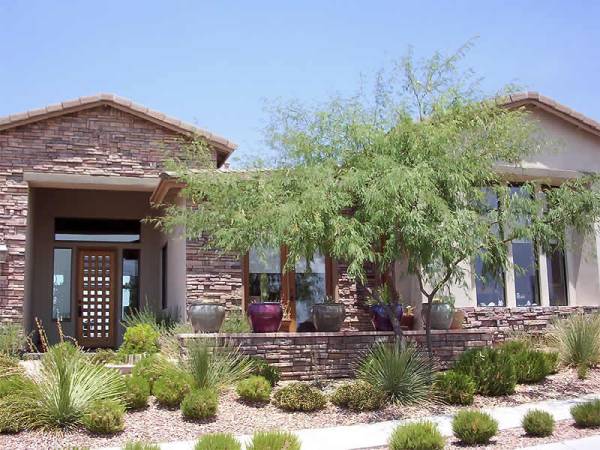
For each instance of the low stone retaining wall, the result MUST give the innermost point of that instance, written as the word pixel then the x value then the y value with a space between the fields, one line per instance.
pixel 309 356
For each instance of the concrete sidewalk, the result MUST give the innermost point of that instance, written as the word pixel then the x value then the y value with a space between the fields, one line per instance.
pixel 587 443
pixel 359 436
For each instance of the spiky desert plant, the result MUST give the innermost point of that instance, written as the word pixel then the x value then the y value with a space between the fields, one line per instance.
pixel 400 371
pixel 577 339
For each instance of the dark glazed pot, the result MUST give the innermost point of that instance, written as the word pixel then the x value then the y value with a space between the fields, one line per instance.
pixel 380 319
pixel 265 317
pixel 441 315
pixel 328 316
pixel 207 317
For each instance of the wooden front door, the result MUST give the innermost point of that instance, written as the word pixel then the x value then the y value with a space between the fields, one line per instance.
pixel 96 297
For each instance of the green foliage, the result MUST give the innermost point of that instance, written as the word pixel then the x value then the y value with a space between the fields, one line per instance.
pixel 62 393
pixel 474 427
pixel 400 371
pixel 137 391
pixel 455 388
pixel 532 366
pixel 218 441
pixel 587 415
pixel 493 370
pixel 298 396
pixel 274 440
pixel 538 423
pixel 171 387
pixel 12 384
pixel 254 389
pixel 358 396
pixel 140 446
pixel 264 369
pixel 417 436
pixel 151 367
pixel 169 342
pixel 577 339
pixel 105 417
pixel 8 422
pixel 200 404
pixel 162 322
pixel 12 339
pixel 552 361
pixel 8 363
pixel 217 367
pixel 582 371
pixel 142 338
pixel 106 356
pixel 236 322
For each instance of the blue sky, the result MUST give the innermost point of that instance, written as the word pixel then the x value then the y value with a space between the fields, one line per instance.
pixel 215 63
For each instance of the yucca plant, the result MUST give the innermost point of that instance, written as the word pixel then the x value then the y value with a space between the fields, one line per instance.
pixel 63 391
pixel 577 339
pixel 217 367
pixel 400 371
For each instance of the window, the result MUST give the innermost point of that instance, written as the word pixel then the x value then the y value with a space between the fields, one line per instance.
pixel 557 278
pixel 163 281
pixel 97 230
pixel 310 286
pixel 264 274
pixel 61 284
pixel 130 290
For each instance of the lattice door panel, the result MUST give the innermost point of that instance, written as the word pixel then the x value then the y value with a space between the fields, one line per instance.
pixel 96 298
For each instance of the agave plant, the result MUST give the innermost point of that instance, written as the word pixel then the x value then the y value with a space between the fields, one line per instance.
pixel 400 371
pixel 61 394
pixel 217 367
pixel 577 339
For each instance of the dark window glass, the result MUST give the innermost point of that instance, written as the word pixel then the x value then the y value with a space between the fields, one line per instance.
pixel 557 278
pixel 163 270
pixel 310 286
pixel 61 284
pixel 264 278
pixel 130 293
pixel 97 230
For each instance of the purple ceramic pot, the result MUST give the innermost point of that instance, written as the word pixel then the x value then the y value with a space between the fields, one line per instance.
pixel 265 317
pixel 380 319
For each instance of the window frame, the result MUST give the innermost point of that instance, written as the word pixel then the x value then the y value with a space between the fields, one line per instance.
pixel 71 281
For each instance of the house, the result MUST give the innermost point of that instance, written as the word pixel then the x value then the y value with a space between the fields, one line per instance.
pixel 78 178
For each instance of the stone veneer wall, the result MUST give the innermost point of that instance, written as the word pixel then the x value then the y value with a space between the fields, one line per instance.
pixel 308 356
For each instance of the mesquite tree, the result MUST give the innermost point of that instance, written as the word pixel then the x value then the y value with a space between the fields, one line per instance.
pixel 402 174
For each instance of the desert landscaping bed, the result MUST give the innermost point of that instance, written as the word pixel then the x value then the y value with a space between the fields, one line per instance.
pixel 158 424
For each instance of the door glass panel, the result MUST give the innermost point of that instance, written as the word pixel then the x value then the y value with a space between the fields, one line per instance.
pixel 61 286
pixel 130 282
pixel 310 286
pixel 557 278
pixel 264 274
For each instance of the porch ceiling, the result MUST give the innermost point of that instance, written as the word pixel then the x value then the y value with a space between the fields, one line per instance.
pixel 101 182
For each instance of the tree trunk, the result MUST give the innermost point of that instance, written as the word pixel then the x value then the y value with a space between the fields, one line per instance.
pixel 428 328
pixel 388 279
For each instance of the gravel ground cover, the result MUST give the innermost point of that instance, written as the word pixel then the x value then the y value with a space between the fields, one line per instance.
pixel 156 424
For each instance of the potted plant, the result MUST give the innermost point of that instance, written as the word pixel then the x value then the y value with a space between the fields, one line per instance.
pixel 458 319
pixel 329 315
pixel 379 314
pixel 207 317
pixel 442 312
pixel 265 316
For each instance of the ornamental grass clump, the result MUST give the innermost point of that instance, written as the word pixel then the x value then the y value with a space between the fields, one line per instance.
pixel 218 441
pixel 358 396
pixel 587 415
pixel 538 423
pixel 455 388
pixel 274 440
pixel 474 427
pixel 299 396
pixel 400 371
pixel 151 368
pixel 140 446
pixel 416 436
pixel 142 338
pixel 171 387
pixel 12 339
pixel 254 389
pixel 492 370
pixel 577 339
pixel 200 404
pixel 105 417
pixel 137 391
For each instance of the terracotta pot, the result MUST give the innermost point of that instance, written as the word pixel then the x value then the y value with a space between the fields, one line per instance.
pixel 265 317
pixel 458 320
pixel 328 316
pixel 380 319
pixel 441 315
pixel 207 317
pixel 408 321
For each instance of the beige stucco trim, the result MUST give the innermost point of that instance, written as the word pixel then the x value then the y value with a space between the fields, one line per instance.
pixel 101 182
pixel 528 171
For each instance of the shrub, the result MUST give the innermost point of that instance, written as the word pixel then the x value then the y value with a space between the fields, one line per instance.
pixel 137 391
pixel 531 366
pixel 474 427
pixel 515 346
pixel 400 371
pixel 264 369
pixel 582 371
pixel 200 404
pixel 12 339
pixel 552 360
pixel 299 396
pixel 151 368
pixel 417 436
pixel 493 370
pixel 142 338
pixel 577 339
pixel 274 440
pixel 254 389
pixel 217 367
pixel 538 423
pixel 236 322
pixel 105 417
pixel 140 446
pixel 455 388
pixel 106 356
pixel 587 415
pixel 358 396
pixel 171 387
pixel 218 441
